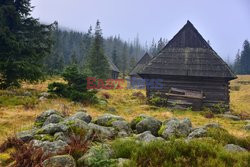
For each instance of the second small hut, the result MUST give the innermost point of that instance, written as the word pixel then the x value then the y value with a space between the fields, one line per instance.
pixel 135 79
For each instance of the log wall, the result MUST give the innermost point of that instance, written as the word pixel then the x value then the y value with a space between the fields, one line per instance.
pixel 216 91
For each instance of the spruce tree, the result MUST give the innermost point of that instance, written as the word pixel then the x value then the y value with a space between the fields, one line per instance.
pixel 97 61
pixel 24 42
pixel 237 65
pixel 124 58
pixel 245 58
pixel 115 56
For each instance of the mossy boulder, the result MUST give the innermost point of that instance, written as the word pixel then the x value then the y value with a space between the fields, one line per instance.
pixel 107 119
pixel 43 116
pixel 176 128
pixel 149 124
pixel 59 161
pixel 98 155
pixel 81 116
pixel 54 118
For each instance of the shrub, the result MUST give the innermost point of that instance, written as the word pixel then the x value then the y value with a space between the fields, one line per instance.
pixel 208 113
pixel 158 101
pixel 123 148
pixel 222 136
pixel 75 89
pixel 180 153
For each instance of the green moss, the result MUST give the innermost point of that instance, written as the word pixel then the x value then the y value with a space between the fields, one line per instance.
pixel 161 130
pixel 45 137
pixel 136 121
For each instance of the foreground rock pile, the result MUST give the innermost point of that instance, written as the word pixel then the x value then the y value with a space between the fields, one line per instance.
pixel 53 132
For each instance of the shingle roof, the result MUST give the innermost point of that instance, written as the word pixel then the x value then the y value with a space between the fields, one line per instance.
pixel 188 54
pixel 140 64
pixel 112 66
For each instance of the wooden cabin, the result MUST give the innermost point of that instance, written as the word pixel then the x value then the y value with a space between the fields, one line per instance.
pixel 191 72
pixel 114 71
pixel 135 80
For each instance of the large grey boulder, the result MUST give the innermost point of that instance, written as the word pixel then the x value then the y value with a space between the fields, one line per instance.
pixel 107 119
pixel 138 119
pixel 54 118
pixel 27 135
pixel 199 132
pixel 81 116
pixel 96 153
pixel 149 124
pixel 50 147
pixel 147 137
pixel 102 132
pixel 43 116
pixel 123 128
pixel 78 127
pixel 60 161
pixel 52 129
pixel 176 128
pixel 234 148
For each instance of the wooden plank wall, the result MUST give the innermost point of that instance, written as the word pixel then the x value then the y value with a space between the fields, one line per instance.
pixel 215 91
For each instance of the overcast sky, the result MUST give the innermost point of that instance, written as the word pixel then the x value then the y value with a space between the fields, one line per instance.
pixel 226 23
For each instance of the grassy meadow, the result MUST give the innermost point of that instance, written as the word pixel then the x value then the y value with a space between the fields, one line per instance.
pixel 18 110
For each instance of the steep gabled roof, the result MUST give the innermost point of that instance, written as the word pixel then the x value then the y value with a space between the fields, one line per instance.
pixel 188 54
pixel 112 66
pixel 140 64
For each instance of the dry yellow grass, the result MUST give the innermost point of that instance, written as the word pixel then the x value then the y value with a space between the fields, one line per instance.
pixel 16 118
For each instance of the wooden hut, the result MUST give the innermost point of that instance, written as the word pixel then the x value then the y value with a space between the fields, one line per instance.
pixel 114 71
pixel 135 79
pixel 191 72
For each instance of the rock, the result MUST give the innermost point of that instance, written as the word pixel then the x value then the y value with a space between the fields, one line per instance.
pixel 61 136
pixel 199 132
pixel 176 128
pixel 50 147
pixel 212 125
pixel 138 119
pixel 122 126
pixel 60 161
pixel 107 119
pixel 43 116
pixel 229 116
pixel 81 116
pixel 147 137
pixel 27 135
pixel 149 124
pixel 78 127
pixel 44 94
pixel 52 129
pixel 27 94
pixel 42 98
pixel 54 118
pixel 102 132
pixel 247 127
pixel 96 153
pixel 234 148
